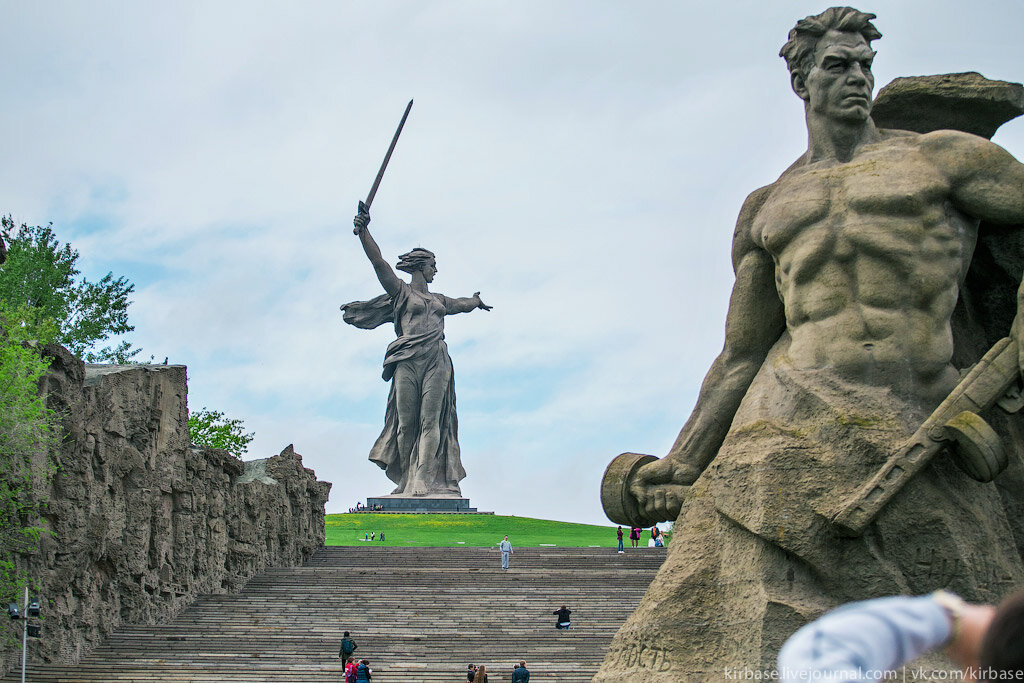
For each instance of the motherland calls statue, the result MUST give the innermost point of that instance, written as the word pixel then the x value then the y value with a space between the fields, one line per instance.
pixel 419 447
pixel 865 284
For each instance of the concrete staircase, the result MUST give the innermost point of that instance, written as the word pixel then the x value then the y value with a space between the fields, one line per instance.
pixel 418 614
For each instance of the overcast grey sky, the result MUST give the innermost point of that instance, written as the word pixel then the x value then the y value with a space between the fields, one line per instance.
pixel 579 163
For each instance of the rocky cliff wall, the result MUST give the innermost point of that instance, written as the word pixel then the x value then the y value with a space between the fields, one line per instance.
pixel 142 522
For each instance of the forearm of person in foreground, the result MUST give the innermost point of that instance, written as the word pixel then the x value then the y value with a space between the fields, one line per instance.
pixel 862 637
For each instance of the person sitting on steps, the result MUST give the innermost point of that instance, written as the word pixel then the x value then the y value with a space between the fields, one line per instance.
pixel 563 617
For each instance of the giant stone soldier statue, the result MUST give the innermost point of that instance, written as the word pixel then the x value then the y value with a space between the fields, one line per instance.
pixel 855 313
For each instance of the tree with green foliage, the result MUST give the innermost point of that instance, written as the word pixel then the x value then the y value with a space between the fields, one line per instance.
pixel 211 428
pixel 28 442
pixel 41 277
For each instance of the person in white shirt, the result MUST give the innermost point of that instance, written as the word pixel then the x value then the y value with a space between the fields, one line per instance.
pixel 857 641
pixel 506 550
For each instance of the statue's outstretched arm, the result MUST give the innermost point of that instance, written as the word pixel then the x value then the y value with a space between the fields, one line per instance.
pixel 466 304
pixel 755 321
pixel 385 274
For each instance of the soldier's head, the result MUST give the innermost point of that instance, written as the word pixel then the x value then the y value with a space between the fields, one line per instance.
pixel 829 57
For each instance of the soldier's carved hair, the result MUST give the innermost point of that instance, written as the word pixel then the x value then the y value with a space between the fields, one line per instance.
pixel 803 38
pixel 417 259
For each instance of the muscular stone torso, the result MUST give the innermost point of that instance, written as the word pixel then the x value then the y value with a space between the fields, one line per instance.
pixel 869 256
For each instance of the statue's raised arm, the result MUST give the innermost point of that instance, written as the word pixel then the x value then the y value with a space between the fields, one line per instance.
pixel 388 280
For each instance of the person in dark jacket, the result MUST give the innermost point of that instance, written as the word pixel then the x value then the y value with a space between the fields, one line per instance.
pixel 563 617
pixel 348 646
pixel 521 674
pixel 364 672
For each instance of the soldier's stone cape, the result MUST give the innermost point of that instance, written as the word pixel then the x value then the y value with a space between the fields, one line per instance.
pixel 754 557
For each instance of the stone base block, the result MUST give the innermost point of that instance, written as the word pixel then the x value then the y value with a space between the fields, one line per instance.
pixel 420 504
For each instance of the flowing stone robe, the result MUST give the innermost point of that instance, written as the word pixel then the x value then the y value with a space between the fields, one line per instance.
pixel 423 361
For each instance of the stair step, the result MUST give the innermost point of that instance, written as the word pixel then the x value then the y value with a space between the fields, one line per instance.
pixel 418 614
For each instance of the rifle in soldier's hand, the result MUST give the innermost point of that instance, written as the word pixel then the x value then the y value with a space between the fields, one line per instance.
pixel 955 424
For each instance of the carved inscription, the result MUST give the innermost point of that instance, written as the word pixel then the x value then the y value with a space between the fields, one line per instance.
pixel 643 655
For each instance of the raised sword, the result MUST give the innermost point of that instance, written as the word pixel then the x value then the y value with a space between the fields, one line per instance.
pixel 365 205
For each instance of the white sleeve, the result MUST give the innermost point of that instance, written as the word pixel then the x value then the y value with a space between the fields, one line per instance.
pixel 856 641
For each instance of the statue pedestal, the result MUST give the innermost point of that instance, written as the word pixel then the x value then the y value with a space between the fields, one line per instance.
pixel 420 504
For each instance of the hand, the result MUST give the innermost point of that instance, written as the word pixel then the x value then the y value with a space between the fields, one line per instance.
pixel 660 487
pixel 361 220
pixel 974 622
pixel 479 303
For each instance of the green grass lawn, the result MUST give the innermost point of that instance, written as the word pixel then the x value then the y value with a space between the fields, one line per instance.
pixel 470 530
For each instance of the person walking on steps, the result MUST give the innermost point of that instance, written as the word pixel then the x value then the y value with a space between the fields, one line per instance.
pixel 521 674
pixel 348 647
pixel 506 550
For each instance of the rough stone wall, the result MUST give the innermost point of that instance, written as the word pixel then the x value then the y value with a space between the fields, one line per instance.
pixel 142 522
